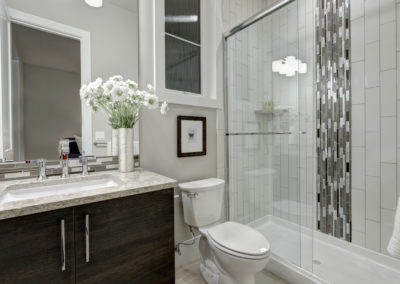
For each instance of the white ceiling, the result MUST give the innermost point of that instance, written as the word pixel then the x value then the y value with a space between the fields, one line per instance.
pixel 44 49
pixel 130 5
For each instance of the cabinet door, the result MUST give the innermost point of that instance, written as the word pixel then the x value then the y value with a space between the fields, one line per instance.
pixel 130 240
pixel 32 248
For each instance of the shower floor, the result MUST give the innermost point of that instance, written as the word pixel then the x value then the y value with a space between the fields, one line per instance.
pixel 332 260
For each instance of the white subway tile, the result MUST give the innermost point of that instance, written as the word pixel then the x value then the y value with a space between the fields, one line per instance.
pixel 358 209
pixel 388 45
pixel 387 221
pixel 357 75
pixel 358 125
pixel 373 196
pixel 373 235
pixel 357 9
pixel 387 11
pixel 358 238
pixel 388 186
pixel 372 67
pixel 372 114
pixel 388 93
pixel 357 40
pixel 358 167
pixel 371 20
pixel 373 154
pixel 388 139
pixel 398 26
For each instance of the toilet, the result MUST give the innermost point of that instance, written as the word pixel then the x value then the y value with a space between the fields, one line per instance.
pixel 231 253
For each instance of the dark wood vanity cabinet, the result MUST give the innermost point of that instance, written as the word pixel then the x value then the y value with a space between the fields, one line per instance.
pixel 124 240
pixel 31 248
pixel 131 240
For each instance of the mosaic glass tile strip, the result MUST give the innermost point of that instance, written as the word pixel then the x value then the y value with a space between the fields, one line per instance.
pixel 24 170
pixel 333 95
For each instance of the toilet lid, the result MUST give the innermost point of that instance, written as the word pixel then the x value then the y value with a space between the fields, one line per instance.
pixel 240 238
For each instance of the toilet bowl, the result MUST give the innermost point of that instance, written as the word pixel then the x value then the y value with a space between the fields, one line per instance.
pixel 231 253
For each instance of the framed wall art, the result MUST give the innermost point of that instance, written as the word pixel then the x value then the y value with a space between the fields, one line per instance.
pixel 192 136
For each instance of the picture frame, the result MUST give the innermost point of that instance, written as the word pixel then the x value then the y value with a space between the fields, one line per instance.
pixel 192 136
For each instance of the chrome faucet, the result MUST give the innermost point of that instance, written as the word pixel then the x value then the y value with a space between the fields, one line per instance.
pixel 42 168
pixel 63 147
pixel 84 161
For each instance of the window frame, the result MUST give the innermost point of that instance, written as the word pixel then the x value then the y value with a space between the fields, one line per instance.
pixel 208 61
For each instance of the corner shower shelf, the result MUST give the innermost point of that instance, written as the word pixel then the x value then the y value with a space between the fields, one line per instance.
pixel 257 133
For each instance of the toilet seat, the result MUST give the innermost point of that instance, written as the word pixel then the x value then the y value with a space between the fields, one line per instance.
pixel 239 240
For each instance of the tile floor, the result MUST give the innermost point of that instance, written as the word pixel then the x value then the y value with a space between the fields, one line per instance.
pixel 190 274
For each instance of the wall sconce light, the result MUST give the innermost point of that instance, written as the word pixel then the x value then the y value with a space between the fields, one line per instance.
pixel 289 66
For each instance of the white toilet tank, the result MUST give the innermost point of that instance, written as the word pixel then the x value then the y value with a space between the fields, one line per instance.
pixel 202 201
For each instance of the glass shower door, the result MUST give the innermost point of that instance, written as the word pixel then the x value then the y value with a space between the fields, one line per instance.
pixel 263 132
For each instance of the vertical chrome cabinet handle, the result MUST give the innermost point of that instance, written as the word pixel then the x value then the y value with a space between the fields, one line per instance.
pixel 87 237
pixel 63 265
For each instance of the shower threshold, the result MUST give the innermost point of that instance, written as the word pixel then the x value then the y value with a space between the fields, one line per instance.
pixel 333 260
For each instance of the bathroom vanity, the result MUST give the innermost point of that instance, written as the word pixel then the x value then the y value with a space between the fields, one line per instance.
pixel 121 233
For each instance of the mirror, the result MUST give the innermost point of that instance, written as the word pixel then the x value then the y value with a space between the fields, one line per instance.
pixel 53 47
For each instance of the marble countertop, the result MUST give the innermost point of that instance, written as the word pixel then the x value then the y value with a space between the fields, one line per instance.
pixel 137 182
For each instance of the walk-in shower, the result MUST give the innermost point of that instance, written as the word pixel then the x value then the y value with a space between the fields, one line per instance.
pixel 274 126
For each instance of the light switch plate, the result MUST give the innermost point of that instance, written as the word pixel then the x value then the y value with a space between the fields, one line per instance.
pixel 99 136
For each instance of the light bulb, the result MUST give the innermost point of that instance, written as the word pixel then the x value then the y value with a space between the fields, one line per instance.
pixel 95 3
pixel 276 66
pixel 289 66
pixel 303 68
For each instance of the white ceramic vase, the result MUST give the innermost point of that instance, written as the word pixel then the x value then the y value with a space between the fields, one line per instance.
pixel 114 142
pixel 125 151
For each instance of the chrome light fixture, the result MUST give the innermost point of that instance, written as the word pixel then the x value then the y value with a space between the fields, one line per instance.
pixel 94 3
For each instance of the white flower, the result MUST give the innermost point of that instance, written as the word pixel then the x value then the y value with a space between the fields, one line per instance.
pixel 98 82
pixel 117 78
pixel 132 84
pixel 151 101
pixel 120 100
pixel 164 108
pixel 119 91
pixel 82 91
pixel 151 88
pixel 109 85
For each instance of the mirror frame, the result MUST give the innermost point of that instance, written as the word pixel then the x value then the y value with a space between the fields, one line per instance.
pixel 35 22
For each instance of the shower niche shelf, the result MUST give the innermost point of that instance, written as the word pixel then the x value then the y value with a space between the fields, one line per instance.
pixel 279 111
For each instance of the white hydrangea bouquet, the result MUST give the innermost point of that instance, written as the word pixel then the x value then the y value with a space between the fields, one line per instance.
pixel 121 100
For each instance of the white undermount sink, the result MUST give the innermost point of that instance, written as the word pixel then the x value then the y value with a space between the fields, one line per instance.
pixel 48 188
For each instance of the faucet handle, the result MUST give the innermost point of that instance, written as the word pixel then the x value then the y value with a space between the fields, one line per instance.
pixel 85 166
pixel 42 168
pixel 40 161
pixel 87 156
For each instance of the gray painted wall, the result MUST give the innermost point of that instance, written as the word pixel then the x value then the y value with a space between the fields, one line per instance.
pixel 158 137
pixel 159 144
pixel 49 112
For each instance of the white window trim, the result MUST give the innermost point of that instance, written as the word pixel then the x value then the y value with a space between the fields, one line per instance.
pixel 3 91
pixel 208 97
